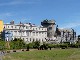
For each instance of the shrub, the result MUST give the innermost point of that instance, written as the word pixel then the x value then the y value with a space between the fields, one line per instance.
pixel 27 47
pixel 14 50
pixel 45 46
pixel 22 49
pixel 41 47
pixel 56 46
pixel 36 44
pixel 8 51
pixel 50 45
pixel 17 44
pixel 63 46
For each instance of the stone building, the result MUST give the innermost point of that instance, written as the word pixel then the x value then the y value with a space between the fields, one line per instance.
pixel 66 35
pixel 50 25
pixel 57 35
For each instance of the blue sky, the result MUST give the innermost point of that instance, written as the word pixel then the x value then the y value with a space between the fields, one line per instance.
pixel 66 13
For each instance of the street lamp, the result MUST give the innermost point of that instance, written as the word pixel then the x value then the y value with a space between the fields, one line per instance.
pixel 7 40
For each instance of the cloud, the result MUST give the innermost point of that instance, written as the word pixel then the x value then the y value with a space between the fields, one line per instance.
pixel 25 19
pixel 17 2
pixel 70 25
pixel 5 14
pixel 11 3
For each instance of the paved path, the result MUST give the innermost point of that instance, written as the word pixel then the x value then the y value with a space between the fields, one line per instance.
pixel 1 55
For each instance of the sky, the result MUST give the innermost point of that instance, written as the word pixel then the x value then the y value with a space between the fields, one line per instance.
pixel 66 13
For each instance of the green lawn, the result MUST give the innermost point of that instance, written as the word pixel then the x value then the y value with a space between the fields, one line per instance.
pixel 55 54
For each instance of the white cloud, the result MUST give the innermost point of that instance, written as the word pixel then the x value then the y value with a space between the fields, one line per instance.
pixel 70 25
pixel 12 3
pixel 5 14
pixel 24 20
pixel 17 2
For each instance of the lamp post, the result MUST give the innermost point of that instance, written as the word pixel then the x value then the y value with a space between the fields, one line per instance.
pixel 7 40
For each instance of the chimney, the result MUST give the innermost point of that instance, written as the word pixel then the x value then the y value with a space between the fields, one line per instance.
pixel 12 22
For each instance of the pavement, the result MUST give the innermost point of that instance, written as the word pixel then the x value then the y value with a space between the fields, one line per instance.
pixel 1 55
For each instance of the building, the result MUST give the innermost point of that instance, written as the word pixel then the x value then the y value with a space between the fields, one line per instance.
pixel 57 35
pixel 1 28
pixel 1 25
pixel 48 32
pixel 50 25
pixel 28 32
pixel 66 35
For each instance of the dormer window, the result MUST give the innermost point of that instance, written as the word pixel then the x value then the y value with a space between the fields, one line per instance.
pixel 4 27
pixel 11 26
pixel 8 26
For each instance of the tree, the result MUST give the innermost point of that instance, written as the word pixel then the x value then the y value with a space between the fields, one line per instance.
pixel 36 44
pixel 17 44
pixel 2 45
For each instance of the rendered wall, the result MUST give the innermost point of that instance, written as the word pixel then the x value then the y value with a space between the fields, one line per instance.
pixel 1 25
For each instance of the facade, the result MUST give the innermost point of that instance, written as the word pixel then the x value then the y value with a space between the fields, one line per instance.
pixel 66 35
pixel 1 26
pixel 48 32
pixel 28 32
pixel 78 39
pixel 50 25
pixel 56 35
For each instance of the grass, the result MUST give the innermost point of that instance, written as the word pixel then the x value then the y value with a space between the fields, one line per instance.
pixel 55 54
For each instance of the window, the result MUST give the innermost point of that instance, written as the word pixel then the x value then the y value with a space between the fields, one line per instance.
pixel 11 26
pixel 12 38
pixel 50 28
pixel 27 33
pixel 33 40
pixel 36 39
pixel 33 33
pixel 45 29
pixel 39 39
pixel 11 31
pixel 39 28
pixel 36 28
pixel 30 39
pixel 15 32
pixel 15 26
pixel 23 32
pixel 23 27
pixel 36 33
pixel 27 39
pixel 23 38
pixel 4 26
pixel 33 28
pixel 26 27
pixel 45 32
pixel 39 32
pixel 30 27
pixel 8 26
